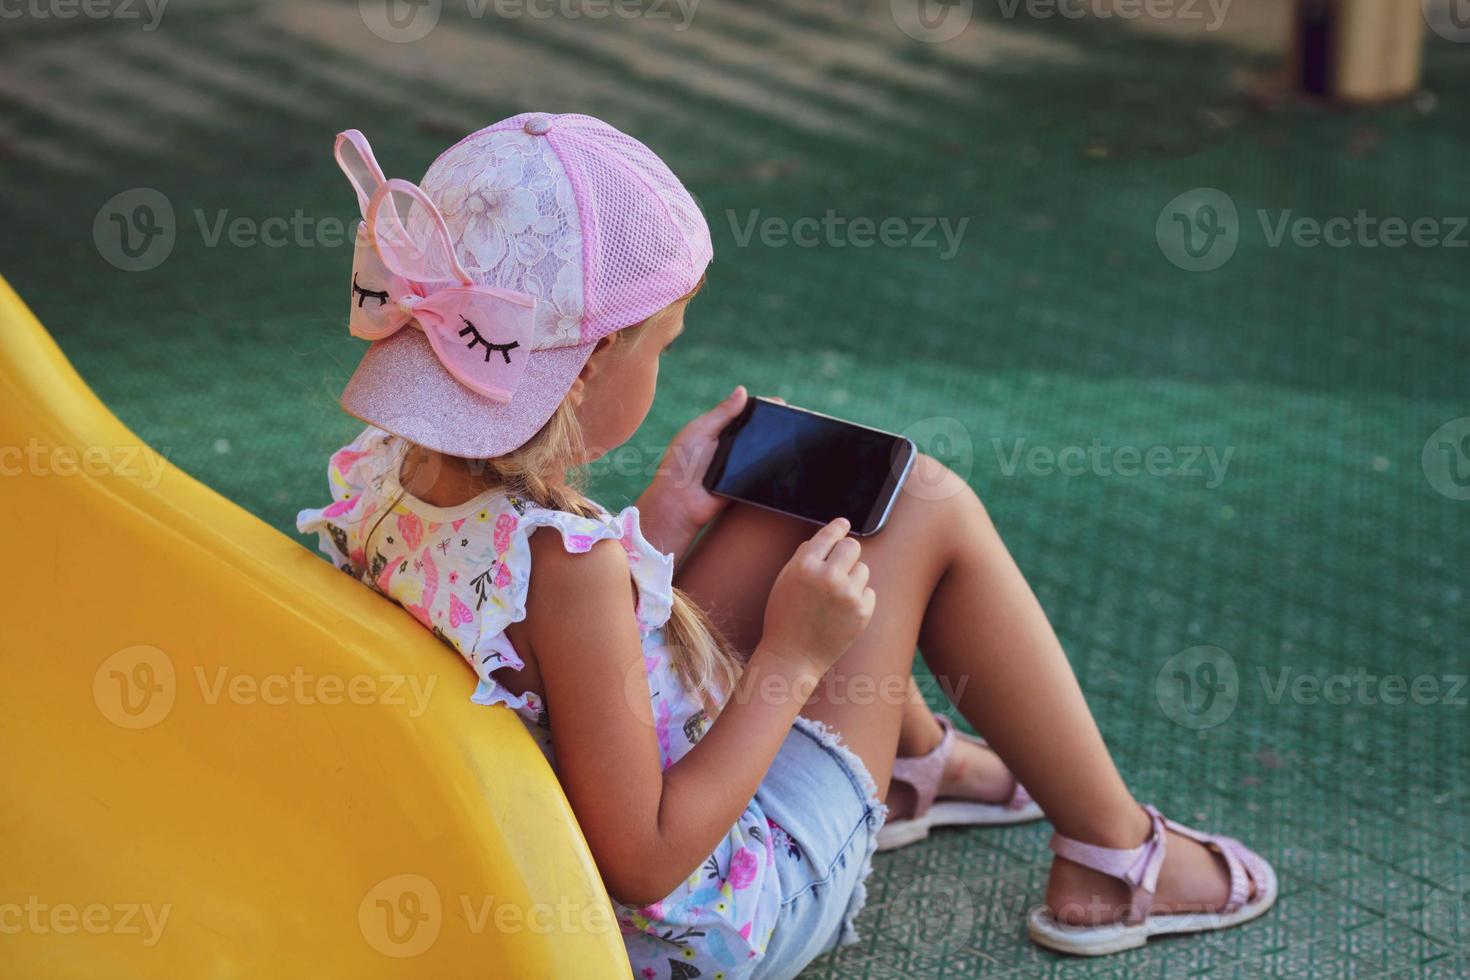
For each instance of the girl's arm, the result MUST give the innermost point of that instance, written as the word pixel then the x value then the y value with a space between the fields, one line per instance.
pixel 676 506
pixel 649 828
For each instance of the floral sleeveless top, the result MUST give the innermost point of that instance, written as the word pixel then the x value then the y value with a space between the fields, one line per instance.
pixel 463 572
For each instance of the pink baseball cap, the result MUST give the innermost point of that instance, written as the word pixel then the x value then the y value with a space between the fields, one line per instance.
pixel 485 287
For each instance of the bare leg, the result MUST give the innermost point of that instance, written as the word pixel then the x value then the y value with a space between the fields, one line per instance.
pixel 972 772
pixel 944 579
pixel 918 733
pixel 939 567
pixel 747 550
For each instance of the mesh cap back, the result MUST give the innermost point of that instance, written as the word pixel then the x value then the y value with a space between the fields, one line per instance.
pixel 584 218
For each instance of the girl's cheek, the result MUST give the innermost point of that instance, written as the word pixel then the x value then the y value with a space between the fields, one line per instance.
pixel 652 385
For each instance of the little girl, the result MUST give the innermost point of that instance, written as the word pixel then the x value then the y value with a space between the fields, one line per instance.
pixel 731 747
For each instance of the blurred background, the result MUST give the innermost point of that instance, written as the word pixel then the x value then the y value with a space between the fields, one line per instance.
pixel 1179 286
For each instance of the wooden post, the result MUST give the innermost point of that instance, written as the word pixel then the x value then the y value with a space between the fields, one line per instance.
pixel 1358 51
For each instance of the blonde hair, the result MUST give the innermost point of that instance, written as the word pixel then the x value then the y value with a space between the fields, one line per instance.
pixel 545 471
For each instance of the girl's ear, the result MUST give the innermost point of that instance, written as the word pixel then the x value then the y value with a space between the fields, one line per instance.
pixel 589 370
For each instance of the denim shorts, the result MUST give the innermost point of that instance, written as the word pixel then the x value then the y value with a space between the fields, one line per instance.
pixel 822 796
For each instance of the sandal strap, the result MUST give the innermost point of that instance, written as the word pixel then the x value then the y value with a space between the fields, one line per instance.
pixel 1138 867
pixel 923 772
pixel 1020 798
pixel 1242 863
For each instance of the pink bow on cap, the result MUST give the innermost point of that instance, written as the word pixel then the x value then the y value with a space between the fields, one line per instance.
pixel 481 334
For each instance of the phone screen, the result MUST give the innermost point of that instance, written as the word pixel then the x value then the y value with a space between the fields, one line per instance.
pixel 810 466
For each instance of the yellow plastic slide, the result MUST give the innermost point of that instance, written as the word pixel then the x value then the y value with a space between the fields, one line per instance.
pixel 220 757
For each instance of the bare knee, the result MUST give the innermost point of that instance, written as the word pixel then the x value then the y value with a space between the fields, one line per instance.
pixel 936 488
pixel 935 506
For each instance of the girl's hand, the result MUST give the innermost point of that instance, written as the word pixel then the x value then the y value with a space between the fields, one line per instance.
pixel 676 506
pixel 821 600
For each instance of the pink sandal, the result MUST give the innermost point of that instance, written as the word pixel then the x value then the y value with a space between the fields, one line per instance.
pixel 1139 869
pixel 923 774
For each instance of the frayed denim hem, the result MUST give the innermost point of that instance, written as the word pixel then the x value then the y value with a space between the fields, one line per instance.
pixel 875 813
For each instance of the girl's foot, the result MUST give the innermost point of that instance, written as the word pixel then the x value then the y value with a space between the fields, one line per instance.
pixel 960 782
pixel 1199 882
pixel 972 772
pixel 1192 879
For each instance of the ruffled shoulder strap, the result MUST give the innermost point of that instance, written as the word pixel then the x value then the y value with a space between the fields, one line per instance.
pixel 653 571
pixel 501 596
pixel 353 472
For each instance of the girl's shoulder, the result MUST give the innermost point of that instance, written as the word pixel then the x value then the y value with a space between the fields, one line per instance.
pixel 463 571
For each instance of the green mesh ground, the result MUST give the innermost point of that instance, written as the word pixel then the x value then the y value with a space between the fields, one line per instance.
pixel 1324 550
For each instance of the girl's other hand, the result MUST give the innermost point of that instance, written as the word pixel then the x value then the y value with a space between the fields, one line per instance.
pixel 676 505
pixel 820 601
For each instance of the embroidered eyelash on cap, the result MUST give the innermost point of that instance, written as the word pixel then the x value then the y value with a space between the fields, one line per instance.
pixel 476 338
pixel 363 295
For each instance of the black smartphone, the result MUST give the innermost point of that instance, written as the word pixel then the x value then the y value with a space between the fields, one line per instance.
pixel 810 466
